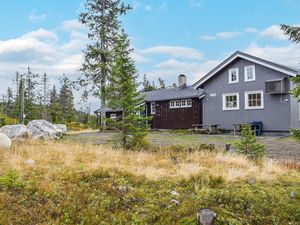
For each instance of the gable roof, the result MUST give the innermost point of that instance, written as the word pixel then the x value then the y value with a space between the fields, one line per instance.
pixel 164 95
pixel 171 93
pixel 275 66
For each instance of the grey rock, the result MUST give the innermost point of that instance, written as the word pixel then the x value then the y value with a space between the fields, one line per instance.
pixel 176 202
pixel 175 193
pixel 31 162
pixel 293 194
pixel 122 189
pixel 62 127
pixel 15 131
pixel 5 142
pixel 42 129
pixel 251 180
pixel 206 217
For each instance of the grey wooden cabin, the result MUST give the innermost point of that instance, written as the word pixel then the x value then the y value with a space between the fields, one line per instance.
pixel 245 88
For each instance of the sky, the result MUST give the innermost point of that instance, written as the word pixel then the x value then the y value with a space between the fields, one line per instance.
pixel 170 37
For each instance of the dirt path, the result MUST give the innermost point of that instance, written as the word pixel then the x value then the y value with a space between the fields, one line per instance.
pixel 276 147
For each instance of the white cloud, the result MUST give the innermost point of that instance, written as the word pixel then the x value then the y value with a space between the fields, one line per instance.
pixel 139 59
pixel 287 55
pixel 221 35
pixel 171 68
pixel 72 25
pixel 34 16
pixel 251 30
pixel 174 51
pixel 196 3
pixel 207 37
pixel 273 32
pixel 228 35
pixel 148 8
pixel 163 7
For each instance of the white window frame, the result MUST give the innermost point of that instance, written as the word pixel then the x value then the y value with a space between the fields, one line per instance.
pixel 261 92
pixel 245 73
pixel 230 75
pixel 152 108
pixel 237 100
pixel 174 106
pixel 113 116
pixel 186 105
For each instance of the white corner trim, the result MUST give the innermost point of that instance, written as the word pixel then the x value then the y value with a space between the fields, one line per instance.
pixel 224 101
pixel 229 76
pixel 245 73
pixel 261 92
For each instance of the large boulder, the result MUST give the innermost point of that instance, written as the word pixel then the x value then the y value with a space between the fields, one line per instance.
pixel 15 131
pixel 5 142
pixel 206 217
pixel 62 127
pixel 42 129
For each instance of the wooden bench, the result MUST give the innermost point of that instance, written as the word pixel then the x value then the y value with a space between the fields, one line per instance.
pixel 213 128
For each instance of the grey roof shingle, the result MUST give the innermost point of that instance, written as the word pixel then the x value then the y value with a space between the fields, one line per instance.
pixel 166 94
pixel 171 93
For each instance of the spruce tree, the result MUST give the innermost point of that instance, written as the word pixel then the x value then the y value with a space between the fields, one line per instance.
pixel 294 35
pixel 9 103
pixel 55 113
pixel 122 94
pixel 66 100
pixel 102 19
pixel 30 95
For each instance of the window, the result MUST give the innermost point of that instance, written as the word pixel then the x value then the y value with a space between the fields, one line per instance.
pixel 254 100
pixel 231 101
pixel 113 116
pixel 189 102
pixel 249 73
pixel 184 103
pixel 233 76
pixel 153 105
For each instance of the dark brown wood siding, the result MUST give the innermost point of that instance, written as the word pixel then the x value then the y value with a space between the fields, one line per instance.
pixel 177 118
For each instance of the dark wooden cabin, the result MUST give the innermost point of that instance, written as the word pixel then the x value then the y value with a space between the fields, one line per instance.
pixel 171 108
pixel 174 108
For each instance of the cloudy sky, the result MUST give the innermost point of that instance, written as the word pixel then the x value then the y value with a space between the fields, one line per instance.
pixel 169 36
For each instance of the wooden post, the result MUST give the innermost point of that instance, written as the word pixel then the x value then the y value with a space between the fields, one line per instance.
pixel 227 147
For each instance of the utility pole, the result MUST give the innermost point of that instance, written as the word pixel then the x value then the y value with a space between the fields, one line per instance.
pixel 22 100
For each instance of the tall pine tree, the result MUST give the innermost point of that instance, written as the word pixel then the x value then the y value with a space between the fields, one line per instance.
pixel 66 100
pixel 122 94
pixel 102 19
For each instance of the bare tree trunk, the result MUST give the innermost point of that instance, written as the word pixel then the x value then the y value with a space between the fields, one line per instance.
pixel 103 106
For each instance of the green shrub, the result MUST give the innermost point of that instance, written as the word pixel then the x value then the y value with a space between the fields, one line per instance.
pixel 296 134
pixel 10 180
pixel 248 145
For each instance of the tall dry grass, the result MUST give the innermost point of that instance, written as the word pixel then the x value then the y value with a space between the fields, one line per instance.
pixel 54 158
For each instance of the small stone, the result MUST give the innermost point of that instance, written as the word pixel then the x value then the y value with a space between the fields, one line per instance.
pixel 175 202
pixel 175 193
pixel 206 217
pixel 293 194
pixel 251 180
pixel 31 162
pixel 122 189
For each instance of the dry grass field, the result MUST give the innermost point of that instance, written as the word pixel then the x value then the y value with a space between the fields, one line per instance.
pixel 82 183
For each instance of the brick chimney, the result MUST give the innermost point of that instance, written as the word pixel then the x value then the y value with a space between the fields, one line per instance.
pixel 182 81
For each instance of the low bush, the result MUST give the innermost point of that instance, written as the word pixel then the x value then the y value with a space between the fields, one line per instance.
pixel 249 146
